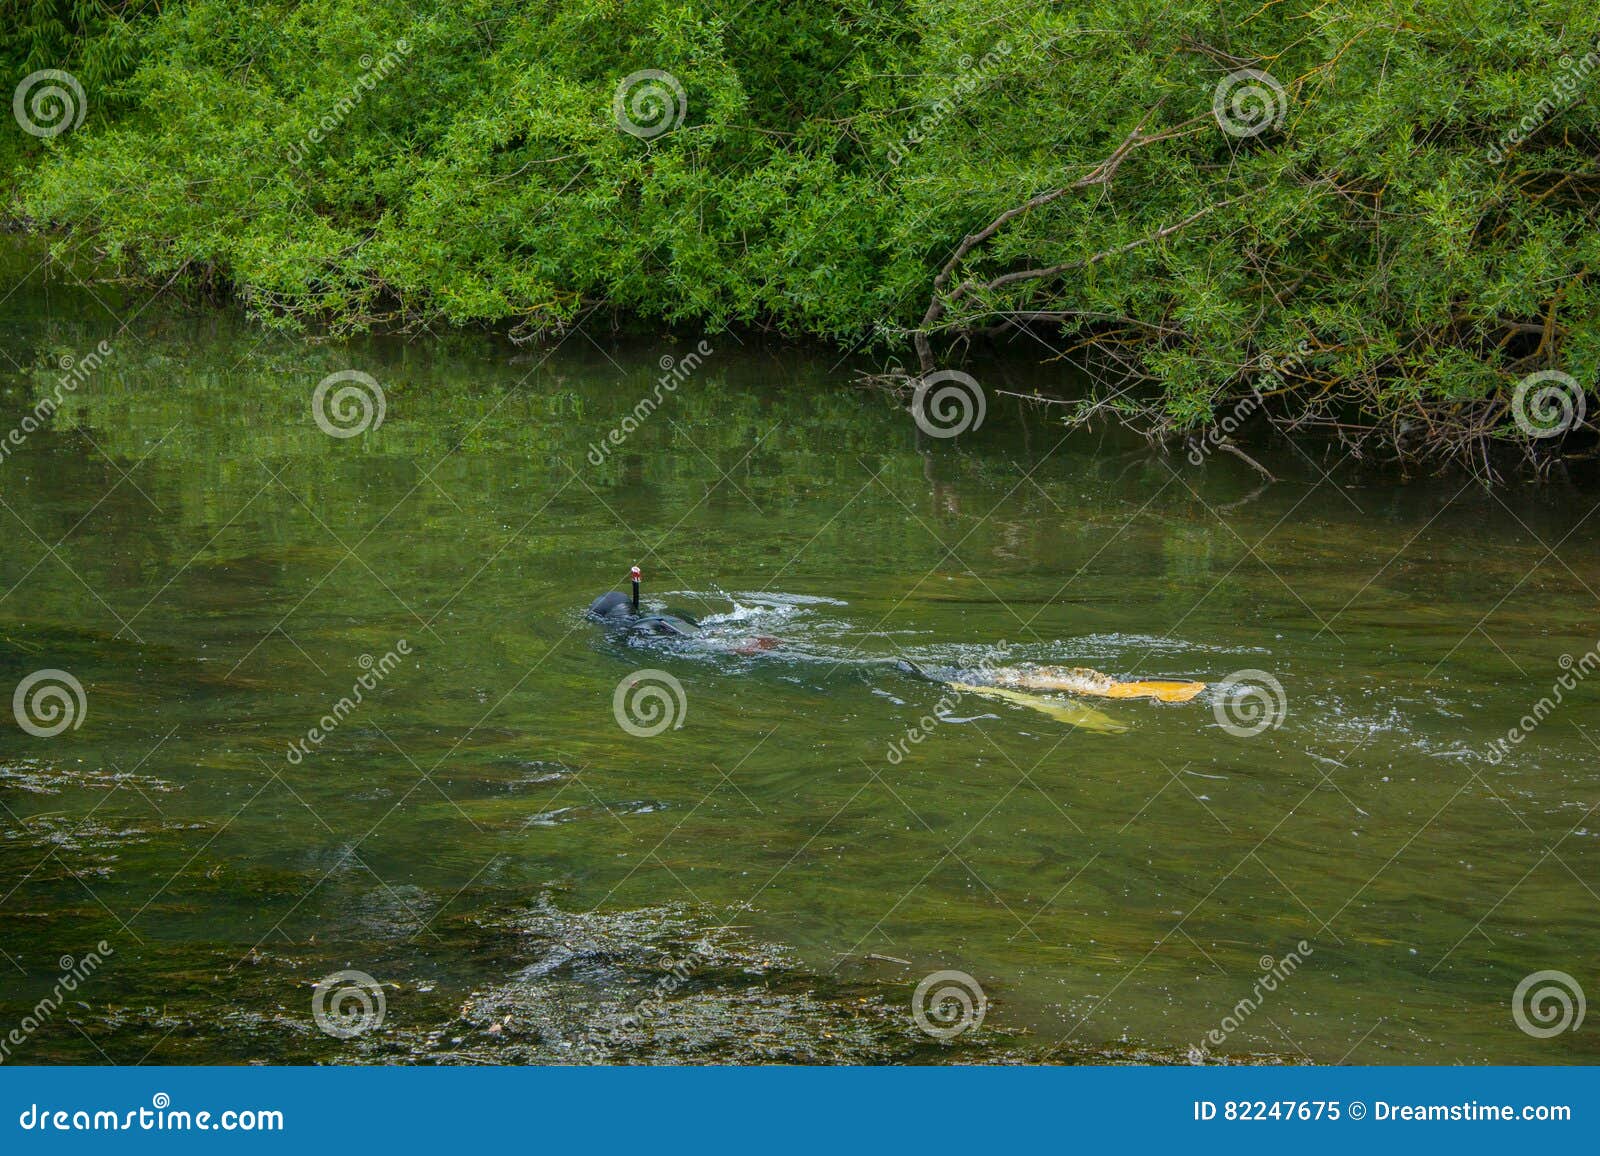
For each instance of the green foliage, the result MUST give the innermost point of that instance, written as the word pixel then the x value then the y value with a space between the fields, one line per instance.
pixel 834 154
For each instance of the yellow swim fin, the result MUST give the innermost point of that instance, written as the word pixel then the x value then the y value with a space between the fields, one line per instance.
pixel 1072 713
pixel 1082 680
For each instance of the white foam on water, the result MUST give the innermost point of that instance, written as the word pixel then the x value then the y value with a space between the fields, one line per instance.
pixel 950 718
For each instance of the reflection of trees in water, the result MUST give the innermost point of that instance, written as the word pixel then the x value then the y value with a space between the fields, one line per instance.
pixel 168 440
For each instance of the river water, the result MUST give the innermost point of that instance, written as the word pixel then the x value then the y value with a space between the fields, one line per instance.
pixel 217 572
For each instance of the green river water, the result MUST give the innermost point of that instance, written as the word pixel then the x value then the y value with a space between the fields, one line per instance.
pixel 480 833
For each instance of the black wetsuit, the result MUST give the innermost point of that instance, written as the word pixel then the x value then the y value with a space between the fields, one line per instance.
pixel 616 609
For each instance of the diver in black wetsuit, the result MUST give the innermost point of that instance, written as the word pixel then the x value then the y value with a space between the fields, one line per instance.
pixel 617 609
pixel 620 613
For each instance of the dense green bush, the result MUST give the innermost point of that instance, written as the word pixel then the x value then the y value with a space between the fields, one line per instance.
pixel 1388 257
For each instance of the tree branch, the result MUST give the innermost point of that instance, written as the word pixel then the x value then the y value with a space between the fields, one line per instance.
pixel 1100 174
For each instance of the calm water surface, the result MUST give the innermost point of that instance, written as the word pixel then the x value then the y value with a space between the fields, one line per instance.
pixel 217 572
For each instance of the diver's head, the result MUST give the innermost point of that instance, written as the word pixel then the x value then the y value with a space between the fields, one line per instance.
pixel 618 610
pixel 615 605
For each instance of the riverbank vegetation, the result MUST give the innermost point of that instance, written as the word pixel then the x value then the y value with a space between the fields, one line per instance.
pixel 1366 219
